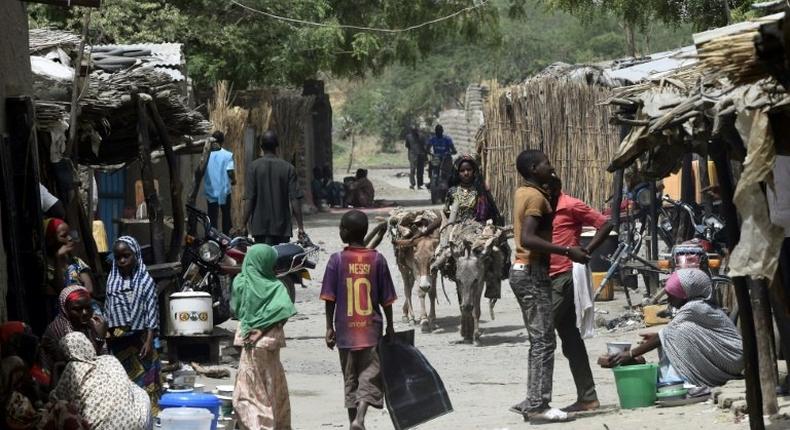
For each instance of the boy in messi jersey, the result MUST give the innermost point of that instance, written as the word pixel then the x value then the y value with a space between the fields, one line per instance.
pixel 357 286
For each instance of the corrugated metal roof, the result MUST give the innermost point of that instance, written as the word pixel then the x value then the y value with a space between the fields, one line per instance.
pixel 661 62
pixel 164 54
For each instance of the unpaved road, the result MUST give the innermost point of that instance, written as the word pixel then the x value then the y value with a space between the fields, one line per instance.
pixel 482 381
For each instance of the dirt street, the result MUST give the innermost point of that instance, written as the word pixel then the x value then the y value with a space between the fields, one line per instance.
pixel 482 381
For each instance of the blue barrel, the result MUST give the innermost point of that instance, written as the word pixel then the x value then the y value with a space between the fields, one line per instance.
pixel 192 400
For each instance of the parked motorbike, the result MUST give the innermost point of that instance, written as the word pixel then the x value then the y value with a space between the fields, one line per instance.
pixel 293 261
pixel 211 261
pixel 704 251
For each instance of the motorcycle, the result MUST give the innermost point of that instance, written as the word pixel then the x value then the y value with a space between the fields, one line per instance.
pixel 211 261
pixel 440 170
pixel 704 251
pixel 293 261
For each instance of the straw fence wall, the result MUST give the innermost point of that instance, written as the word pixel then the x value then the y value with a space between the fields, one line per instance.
pixel 559 117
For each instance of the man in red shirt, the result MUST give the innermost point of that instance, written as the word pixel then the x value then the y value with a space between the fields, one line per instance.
pixel 571 214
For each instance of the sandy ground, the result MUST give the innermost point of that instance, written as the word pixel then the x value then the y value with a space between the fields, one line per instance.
pixel 482 381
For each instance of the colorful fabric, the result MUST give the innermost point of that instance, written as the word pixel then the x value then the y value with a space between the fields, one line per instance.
pixel 217 181
pixel 260 397
pixel 106 397
pixel 259 299
pixel 11 328
pixel 145 372
pixel 531 200
pixel 442 146
pixel 702 343
pixel 51 229
pixel 132 302
pixel 51 352
pixel 570 216
pixel 358 281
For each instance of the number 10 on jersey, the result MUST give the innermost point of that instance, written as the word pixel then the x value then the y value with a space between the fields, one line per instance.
pixel 356 290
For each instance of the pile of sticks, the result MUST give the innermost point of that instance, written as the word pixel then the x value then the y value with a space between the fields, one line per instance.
pixel 562 118
pixel 734 57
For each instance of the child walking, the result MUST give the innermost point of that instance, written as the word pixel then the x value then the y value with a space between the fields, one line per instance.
pixel 357 286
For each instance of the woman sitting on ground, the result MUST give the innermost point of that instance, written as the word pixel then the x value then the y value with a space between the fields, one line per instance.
pixel 76 314
pixel 700 345
pixel 107 399
pixel 262 305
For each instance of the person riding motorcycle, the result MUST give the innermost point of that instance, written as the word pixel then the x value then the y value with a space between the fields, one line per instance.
pixel 442 149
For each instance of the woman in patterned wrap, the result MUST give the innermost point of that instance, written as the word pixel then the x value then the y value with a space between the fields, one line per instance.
pixel 76 314
pixel 262 305
pixel 107 399
pixel 700 345
pixel 132 312
pixel 469 199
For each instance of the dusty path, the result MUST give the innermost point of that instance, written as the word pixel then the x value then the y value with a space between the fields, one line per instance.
pixel 482 381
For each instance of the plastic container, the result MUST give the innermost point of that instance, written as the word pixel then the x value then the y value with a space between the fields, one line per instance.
pixel 186 419
pixel 204 401
pixel 636 385
pixel 617 347
pixel 191 313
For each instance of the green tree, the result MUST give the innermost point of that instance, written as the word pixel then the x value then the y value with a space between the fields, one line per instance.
pixel 226 41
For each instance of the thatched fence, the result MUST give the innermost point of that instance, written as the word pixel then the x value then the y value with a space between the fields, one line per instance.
pixel 562 118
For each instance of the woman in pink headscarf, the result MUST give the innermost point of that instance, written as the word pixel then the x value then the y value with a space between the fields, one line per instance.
pixel 701 345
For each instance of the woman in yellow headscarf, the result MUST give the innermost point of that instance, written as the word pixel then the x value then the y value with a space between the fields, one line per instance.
pixel 262 306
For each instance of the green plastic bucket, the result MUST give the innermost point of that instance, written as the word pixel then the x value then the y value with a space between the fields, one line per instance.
pixel 636 385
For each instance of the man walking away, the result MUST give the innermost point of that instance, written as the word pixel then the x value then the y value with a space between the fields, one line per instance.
pixel 417 153
pixel 570 216
pixel 219 178
pixel 272 193
pixel 529 279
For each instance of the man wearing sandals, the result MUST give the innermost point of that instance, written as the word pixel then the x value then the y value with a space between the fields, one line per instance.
pixel 570 216
pixel 531 284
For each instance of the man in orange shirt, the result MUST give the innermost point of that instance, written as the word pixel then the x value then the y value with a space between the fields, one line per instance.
pixel 570 215
pixel 531 284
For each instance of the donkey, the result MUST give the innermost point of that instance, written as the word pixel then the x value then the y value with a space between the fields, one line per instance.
pixel 414 262
pixel 471 258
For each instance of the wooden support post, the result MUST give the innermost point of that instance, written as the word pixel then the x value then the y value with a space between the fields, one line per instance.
pixel 617 198
pixel 763 328
pixel 155 213
pixel 177 238
pixel 196 180
pixel 754 399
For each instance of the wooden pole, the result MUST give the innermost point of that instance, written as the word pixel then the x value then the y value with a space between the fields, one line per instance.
pixel 76 90
pixel 718 153
pixel 351 153
pixel 196 180
pixel 764 327
pixel 174 170
pixel 155 213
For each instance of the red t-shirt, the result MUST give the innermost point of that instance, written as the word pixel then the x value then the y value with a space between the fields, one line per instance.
pixel 570 216
pixel 358 280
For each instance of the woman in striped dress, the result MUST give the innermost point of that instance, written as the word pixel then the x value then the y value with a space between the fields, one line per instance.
pixel 132 312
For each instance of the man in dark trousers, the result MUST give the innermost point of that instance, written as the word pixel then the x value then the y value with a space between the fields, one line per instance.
pixel 530 282
pixel 417 153
pixel 570 216
pixel 272 193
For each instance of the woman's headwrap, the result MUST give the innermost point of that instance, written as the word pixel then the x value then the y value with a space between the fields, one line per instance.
pixel 690 284
pixel 70 294
pixel 51 229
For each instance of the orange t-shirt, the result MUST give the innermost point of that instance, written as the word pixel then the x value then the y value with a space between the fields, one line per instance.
pixel 530 200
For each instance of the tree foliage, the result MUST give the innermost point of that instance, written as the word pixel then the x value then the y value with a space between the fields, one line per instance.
pixel 701 14
pixel 225 41
pixel 403 94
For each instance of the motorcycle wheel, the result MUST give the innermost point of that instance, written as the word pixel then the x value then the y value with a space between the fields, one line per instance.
pixel 220 291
